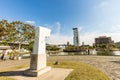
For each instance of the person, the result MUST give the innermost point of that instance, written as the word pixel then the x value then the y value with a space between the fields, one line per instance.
pixel 88 52
pixel 3 56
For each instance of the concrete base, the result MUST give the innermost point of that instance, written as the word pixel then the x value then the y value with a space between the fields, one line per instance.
pixel 36 73
pixel 38 61
pixel 37 65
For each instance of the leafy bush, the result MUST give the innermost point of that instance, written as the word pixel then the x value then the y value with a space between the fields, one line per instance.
pixel 52 48
pixel 30 46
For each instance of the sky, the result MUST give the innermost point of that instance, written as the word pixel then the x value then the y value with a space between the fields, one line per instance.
pixel 94 18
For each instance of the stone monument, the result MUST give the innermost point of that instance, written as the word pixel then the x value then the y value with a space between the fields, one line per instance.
pixel 38 57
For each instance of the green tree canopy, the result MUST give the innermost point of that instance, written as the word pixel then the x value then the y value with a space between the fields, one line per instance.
pixel 16 32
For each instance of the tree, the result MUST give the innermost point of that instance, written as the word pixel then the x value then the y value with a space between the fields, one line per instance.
pixel 24 33
pixel 16 32
pixel 6 29
pixel 3 28
pixel 52 48
pixel 1 31
pixel 30 46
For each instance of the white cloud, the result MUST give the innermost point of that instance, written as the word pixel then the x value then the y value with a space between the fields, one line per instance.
pixel 30 22
pixel 89 37
pixel 107 11
pixel 107 14
pixel 103 4
pixel 86 37
pixel 115 28
pixel 56 36
pixel 57 27
pixel 59 39
pixel 112 31
pixel 80 28
pixel 107 17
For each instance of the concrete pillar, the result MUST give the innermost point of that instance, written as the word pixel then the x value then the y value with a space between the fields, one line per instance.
pixel 38 57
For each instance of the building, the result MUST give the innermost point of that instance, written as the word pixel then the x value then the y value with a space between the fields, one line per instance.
pixel 76 37
pixel 103 40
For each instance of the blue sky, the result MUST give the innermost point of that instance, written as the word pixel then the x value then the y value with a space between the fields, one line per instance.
pixel 93 17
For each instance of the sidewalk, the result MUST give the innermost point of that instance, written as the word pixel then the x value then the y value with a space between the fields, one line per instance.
pixel 54 74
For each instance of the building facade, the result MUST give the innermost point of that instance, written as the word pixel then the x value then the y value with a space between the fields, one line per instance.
pixel 103 40
pixel 76 37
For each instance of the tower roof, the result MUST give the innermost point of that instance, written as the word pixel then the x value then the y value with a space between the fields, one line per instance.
pixel 75 28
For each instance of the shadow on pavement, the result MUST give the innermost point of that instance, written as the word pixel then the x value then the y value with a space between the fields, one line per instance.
pixel 118 62
pixel 13 73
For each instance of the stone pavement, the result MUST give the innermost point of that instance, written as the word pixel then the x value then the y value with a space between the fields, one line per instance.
pixel 54 74
pixel 108 64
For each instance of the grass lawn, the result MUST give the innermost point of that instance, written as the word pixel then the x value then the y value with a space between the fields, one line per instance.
pixel 81 71
pixel 6 78
pixel 12 69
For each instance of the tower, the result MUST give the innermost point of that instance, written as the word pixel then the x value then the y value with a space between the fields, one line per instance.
pixel 75 37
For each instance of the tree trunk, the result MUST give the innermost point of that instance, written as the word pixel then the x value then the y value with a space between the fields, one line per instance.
pixel 19 47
